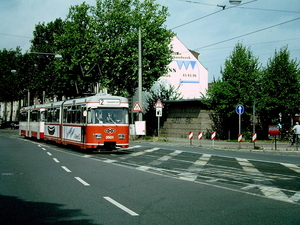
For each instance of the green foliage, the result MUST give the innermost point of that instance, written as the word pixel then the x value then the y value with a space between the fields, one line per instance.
pixel 9 81
pixel 280 89
pixel 100 45
pixel 274 90
pixel 238 85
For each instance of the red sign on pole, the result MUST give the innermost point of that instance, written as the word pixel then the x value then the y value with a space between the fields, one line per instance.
pixel 213 135
pixel 191 135
pixel 200 137
pixel 240 137
pixel 137 107
pixel 254 137
pixel 158 104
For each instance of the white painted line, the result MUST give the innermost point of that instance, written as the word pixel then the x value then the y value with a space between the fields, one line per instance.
pixel 82 181
pixel 56 160
pixel 274 193
pixel 110 161
pixel 44 149
pixel 202 161
pixel 143 168
pixel 49 153
pixel 187 176
pixel 296 197
pixel 292 167
pixel 143 152
pixel 132 213
pixel 167 157
pixel 66 169
pixel 247 166
pixel 39 146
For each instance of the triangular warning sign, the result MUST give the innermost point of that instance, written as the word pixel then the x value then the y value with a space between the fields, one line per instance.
pixel 137 107
pixel 158 104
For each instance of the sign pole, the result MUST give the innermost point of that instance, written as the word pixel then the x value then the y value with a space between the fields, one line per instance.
pixel 240 110
pixel 239 129
pixel 158 126
pixel 158 107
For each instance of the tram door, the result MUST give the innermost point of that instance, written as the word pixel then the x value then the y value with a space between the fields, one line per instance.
pixel 84 124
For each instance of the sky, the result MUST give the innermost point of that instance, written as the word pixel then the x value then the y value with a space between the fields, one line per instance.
pixel 263 26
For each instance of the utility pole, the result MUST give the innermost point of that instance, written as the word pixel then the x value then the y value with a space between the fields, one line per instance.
pixel 140 75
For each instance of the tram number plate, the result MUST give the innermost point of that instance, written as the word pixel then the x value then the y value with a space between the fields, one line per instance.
pixel 109 137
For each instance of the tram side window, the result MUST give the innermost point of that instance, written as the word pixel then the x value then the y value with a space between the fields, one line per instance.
pixel 34 116
pixel 65 116
pixel 78 114
pixel 49 115
pixel 52 115
pixel 42 116
pixel 23 116
pixel 56 115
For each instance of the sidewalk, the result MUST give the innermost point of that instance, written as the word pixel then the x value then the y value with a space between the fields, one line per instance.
pixel 260 146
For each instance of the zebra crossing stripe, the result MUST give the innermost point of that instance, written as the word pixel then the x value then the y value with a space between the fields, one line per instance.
pixel 167 157
pixel 296 197
pixel 292 167
pixel 247 166
pixel 274 193
pixel 202 161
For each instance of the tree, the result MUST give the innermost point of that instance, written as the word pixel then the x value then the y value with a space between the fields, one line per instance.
pixel 280 90
pixel 46 75
pixel 100 44
pixel 9 79
pixel 238 85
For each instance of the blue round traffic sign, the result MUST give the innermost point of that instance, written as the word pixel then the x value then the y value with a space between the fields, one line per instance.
pixel 240 109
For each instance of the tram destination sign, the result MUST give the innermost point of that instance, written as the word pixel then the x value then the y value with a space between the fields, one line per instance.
pixel 110 102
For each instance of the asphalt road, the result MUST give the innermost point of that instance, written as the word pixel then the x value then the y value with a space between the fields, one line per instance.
pixel 148 183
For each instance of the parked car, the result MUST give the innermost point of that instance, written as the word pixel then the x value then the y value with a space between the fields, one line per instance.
pixel 14 125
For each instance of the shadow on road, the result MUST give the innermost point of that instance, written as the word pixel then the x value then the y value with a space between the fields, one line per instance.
pixel 14 210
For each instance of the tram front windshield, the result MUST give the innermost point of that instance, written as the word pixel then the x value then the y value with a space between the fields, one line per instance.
pixel 109 116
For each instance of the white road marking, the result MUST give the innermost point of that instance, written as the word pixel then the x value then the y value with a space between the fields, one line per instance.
pixel 292 167
pixel 82 181
pixel 296 197
pixel 187 176
pixel 247 166
pixel 49 153
pixel 132 213
pixel 66 169
pixel 110 161
pixel 202 161
pixel 44 149
pixel 143 152
pixel 143 168
pixel 274 193
pixel 56 160
pixel 167 157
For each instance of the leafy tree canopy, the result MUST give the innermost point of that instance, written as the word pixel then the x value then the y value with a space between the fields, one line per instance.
pixel 99 44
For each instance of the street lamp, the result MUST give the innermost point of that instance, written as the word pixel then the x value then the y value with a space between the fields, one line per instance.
pixel 44 53
pixel 235 2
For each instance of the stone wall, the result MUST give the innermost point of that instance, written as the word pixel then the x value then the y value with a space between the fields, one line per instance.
pixel 183 116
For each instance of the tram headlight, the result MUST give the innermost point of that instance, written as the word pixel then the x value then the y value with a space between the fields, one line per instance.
pixel 121 136
pixel 98 136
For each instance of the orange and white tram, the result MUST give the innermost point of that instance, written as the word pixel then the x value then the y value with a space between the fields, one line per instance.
pixel 99 121
pixel 32 121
